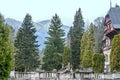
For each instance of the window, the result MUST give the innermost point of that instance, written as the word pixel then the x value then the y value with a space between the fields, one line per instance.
pixel 106 58
pixel 107 42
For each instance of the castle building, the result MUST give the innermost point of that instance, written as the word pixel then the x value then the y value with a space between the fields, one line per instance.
pixel 112 27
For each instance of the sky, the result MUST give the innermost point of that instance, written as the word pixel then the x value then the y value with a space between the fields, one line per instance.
pixel 45 9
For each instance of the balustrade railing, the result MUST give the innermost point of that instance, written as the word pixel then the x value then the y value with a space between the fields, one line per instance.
pixel 64 76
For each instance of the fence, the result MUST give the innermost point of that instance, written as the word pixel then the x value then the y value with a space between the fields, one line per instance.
pixel 63 76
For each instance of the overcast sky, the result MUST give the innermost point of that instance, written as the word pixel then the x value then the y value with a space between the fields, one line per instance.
pixel 45 9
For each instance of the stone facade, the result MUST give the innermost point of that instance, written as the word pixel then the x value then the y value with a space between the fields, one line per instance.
pixel 112 27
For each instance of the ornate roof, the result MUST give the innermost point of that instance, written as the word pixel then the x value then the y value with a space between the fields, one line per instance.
pixel 114 14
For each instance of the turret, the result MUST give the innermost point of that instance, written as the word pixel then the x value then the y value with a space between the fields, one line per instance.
pixel 112 28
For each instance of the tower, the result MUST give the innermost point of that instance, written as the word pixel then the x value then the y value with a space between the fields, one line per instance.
pixel 112 27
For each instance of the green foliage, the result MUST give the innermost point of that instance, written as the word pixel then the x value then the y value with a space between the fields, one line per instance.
pixel 48 58
pixel 87 59
pixel 66 56
pixel 54 45
pixel 76 34
pixel 5 50
pixel 83 47
pixel 27 48
pixel 115 54
pixel 87 47
pixel 98 62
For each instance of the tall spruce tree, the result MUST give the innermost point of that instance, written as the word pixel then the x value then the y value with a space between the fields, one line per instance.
pixel 27 58
pixel 5 50
pixel 54 45
pixel 76 34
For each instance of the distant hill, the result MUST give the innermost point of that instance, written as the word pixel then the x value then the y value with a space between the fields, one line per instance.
pixel 42 28
pixel 14 24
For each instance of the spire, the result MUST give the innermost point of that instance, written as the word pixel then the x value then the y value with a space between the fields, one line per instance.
pixel 117 6
pixel 110 4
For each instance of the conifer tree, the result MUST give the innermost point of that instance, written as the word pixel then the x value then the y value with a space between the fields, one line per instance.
pixel 115 54
pixel 76 34
pixel 98 62
pixel 83 47
pixel 54 45
pixel 66 56
pixel 6 56
pixel 88 47
pixel 27 58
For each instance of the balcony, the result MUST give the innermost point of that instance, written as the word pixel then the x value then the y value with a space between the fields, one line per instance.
pixel 110 33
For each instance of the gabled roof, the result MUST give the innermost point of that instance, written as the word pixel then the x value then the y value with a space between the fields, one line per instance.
pixel 114 14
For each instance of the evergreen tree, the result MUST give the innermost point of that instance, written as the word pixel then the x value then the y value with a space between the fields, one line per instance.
pixel 83 47
pixel 88 47
pixel 5 50
pixel 54 45
pixel 98 62
pixel 115 54
pixel 66 56
pixel 76 34
pixel 27 58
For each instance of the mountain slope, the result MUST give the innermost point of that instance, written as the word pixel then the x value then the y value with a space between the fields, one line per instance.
pixel 14 24
pixel 42 28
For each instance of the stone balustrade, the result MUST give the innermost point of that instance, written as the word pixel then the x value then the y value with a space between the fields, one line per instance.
pixel 63 76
